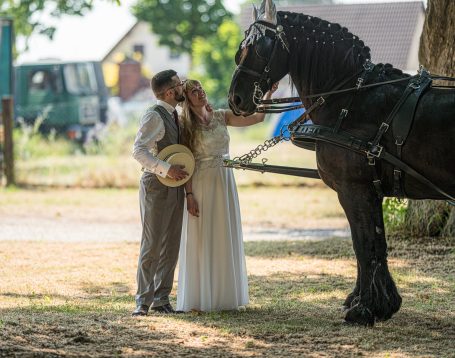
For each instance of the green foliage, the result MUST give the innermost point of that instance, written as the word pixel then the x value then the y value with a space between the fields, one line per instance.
pixel 30 144
pixel 214 61
pixel 115 140
pixel 429 218
pixel 394 213
pixel 178 22
pixel 28 14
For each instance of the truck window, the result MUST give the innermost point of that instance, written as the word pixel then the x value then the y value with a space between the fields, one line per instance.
pixel 40 81
pixel 80 78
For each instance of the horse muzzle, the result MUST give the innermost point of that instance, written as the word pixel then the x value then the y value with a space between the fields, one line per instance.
pixel 240 107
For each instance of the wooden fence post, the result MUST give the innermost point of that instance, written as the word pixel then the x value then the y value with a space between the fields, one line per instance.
pixel 8 154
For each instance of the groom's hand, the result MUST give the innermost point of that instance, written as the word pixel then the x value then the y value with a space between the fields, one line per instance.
pixel 176 172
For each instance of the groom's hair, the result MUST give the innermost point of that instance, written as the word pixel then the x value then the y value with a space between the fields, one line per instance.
pixel 161 81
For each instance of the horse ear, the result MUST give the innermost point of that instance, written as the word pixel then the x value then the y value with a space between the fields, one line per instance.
pixel 255 13
pixel 270 11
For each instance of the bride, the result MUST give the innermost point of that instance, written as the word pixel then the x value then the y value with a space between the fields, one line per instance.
pixel 212 270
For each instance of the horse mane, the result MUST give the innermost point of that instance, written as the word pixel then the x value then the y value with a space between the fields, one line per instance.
pixel 323 54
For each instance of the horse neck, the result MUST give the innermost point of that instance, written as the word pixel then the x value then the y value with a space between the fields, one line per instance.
pixel 322 54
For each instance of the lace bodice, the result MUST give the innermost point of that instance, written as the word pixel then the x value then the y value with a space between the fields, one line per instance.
pixel 213 141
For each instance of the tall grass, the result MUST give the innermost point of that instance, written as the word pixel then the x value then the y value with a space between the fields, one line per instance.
pixel 52 160
pixel 106 162
pixel 31 144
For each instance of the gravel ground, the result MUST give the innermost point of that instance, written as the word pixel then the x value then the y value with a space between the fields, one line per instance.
pixel 73 229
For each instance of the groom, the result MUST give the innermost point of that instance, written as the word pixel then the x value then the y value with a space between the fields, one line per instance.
pixel 161 206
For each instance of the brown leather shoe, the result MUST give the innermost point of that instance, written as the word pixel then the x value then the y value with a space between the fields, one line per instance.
pixel 140 310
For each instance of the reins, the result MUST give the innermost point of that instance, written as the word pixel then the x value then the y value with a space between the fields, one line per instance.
pixel 267 104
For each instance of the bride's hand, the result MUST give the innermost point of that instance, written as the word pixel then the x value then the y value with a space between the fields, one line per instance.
pixel 192 205
pixel 272 90
pixel 274 87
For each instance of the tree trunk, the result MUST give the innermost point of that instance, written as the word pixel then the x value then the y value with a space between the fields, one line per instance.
pixel 437 44
pixel 437 54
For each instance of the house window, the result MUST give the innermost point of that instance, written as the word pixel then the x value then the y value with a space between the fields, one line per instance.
pixel 138 49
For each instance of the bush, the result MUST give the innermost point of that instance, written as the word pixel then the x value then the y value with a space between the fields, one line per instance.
pixel 394 213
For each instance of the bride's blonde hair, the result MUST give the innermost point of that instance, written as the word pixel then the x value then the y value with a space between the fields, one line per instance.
pixel 191 126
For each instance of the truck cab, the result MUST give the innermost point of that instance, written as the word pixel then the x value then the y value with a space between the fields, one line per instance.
pixel 70 97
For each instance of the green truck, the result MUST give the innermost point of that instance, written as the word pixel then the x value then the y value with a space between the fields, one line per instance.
pixel 70 97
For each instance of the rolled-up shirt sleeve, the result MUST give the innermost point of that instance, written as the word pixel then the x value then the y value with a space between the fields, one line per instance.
pixel 151 130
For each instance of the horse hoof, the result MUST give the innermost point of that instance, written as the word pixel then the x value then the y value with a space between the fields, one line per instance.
pixel 360 315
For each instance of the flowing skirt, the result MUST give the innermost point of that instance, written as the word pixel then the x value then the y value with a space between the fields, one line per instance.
pixel 212 269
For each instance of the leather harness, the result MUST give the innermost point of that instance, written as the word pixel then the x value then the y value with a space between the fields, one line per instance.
pixel 401 119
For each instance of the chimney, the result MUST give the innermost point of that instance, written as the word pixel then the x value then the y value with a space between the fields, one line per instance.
pixel 130 78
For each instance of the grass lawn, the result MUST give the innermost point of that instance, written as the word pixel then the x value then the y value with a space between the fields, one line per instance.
pixel 75 300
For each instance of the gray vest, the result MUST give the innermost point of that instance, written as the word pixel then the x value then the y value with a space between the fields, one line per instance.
pixel 171 136
pixel 171 132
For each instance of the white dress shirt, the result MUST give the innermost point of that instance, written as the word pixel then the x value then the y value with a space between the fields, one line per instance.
pixel 151 130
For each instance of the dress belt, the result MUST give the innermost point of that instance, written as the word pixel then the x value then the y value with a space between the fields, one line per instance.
pixel 147 171
pixel 213 157
pixel 204 159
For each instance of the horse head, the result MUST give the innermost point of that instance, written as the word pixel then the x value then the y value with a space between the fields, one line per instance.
pixel 317 54
pixel 261 60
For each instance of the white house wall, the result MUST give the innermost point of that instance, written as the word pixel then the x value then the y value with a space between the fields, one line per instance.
pixel 156 58
pixel 413 58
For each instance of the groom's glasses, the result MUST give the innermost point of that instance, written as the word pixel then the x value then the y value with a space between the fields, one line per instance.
pixel 181 83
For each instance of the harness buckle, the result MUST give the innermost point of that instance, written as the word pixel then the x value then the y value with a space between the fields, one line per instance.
pixel 415 85
pixel 320 101
pixel 399 141
pixel 359 82
pixel 384 127
pixel 375 151
pixel 343 114
pixel 371 160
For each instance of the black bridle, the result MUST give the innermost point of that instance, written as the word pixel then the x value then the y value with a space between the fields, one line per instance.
pixel 264 77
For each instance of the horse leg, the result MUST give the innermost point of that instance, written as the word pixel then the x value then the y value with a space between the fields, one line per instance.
pixel 375 297
pixel 348 303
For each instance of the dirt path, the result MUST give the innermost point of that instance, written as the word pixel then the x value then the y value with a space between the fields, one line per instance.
pixel 113 216
pixel 76 230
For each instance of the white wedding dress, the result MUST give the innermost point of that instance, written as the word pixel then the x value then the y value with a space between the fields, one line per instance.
pixel 212 269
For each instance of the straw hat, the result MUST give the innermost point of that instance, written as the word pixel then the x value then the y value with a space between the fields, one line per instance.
pixel 177 154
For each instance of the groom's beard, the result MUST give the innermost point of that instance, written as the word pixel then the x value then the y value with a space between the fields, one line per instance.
pixel 179 97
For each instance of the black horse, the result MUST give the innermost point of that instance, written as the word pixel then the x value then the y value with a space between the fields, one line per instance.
pixel 323 57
